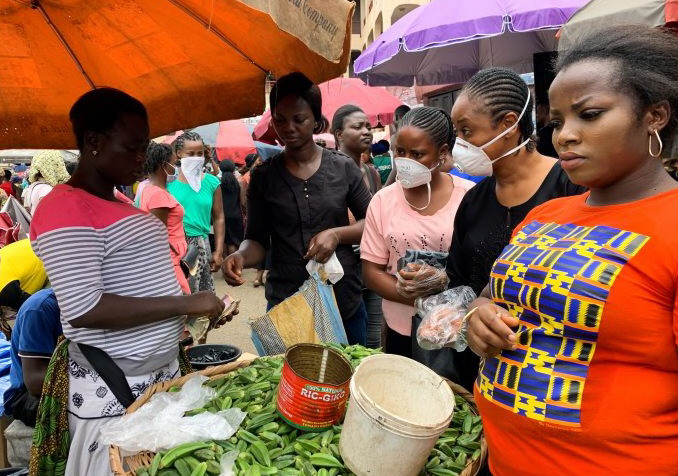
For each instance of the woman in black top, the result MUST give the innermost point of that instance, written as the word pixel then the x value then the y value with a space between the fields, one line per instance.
pixel 298 203
pixel 353 135
pixel 230 195
pixel 493 120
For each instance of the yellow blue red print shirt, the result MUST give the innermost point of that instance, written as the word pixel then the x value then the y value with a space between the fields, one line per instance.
pixel 592 387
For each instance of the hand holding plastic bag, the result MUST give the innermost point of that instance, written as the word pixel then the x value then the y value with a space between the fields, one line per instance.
pixel 160 423
pixel 331 269
pixel 420 279
pixel 442 319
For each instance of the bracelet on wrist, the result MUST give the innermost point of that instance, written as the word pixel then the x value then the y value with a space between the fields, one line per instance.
pixel 464 324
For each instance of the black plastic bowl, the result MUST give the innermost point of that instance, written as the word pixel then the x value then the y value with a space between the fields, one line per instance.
pixel 207 355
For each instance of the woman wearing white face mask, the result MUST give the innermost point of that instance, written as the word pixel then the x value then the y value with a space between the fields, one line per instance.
pixel 161 168
pixel 493 120
pixel 200 195
pixel 415 213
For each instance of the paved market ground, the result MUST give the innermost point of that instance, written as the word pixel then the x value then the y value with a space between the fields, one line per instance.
pixel 252 304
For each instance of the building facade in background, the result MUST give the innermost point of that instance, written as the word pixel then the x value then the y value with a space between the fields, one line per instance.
pixel 370 19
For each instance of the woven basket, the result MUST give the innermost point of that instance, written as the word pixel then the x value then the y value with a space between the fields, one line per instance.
pixel 126 466
pixel 474 468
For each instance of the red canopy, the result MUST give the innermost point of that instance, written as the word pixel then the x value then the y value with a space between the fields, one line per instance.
pixel 377 102
pixel 234 141
pixel 231 139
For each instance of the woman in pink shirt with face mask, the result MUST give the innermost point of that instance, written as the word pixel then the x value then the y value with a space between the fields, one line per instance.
pixel 161 166
pixel 415 213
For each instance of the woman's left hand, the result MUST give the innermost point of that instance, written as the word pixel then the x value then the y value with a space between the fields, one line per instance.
pixel 418 280
pixel 322 246
pixel 216 261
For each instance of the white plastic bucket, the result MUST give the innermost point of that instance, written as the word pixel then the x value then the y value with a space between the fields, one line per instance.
pixel 397 410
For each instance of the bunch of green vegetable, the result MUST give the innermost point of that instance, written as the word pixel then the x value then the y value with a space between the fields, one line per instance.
pixel 266 445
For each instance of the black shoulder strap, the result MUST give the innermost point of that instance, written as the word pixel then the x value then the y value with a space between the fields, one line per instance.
pixel 109 372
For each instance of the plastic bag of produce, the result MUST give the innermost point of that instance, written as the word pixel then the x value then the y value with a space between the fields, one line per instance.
pixel 442 317
pixel 310 315
pixel 160 423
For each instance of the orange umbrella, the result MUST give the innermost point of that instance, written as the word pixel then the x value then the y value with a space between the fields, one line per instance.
pixel 190 62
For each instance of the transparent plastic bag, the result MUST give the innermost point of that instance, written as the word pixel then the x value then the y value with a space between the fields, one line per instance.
pixel 442 317
pixel 437 259
pixel 227 463
pixel 160 423
pixel 420 279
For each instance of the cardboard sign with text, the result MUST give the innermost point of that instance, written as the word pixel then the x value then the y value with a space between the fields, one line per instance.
pixel 321 24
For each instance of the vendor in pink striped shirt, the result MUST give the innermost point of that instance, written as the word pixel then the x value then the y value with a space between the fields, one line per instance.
pixel 110 267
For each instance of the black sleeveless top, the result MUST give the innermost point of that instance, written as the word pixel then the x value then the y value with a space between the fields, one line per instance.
pixel 482 228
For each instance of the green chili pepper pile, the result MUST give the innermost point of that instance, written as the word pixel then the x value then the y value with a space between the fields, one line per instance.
pixel 266 445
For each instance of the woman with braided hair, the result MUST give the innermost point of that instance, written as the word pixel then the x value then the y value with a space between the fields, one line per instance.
pixel 160 168
pixel 493 120
pixel 416 213
pixel 200 195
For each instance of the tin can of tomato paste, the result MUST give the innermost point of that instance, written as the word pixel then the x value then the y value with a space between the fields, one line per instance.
pixel 314 386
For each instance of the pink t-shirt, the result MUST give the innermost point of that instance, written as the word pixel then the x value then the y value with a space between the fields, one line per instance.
pixel 392 227
pixel 152 197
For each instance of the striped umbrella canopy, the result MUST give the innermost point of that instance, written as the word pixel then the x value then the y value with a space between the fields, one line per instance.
pixel 605 12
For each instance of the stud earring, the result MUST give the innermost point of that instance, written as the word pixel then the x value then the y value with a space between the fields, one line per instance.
pixel 95 152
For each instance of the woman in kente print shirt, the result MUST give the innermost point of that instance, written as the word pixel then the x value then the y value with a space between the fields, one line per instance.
pixel 580 371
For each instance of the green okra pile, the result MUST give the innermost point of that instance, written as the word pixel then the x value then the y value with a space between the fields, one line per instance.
pixel 266 445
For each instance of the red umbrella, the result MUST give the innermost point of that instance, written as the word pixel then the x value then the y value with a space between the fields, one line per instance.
pixel 377 103
pixel 234 141
pixel 169 138
pixel 231 139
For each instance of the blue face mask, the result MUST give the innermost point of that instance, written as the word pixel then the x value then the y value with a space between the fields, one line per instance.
pixel 174 175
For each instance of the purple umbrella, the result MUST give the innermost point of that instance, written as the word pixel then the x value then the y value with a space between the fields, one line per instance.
pixel 448 42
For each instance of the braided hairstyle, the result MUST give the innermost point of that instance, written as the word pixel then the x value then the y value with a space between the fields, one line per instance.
pixel 646 60
pixel 501 91
pixel 156 156
pixel 190 136
pixel 432 120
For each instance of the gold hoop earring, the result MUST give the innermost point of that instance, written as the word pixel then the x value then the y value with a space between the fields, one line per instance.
pixel 661 145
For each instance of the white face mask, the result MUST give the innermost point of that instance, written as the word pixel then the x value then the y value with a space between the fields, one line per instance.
pixel 411 174
pixel 191 167
pixel 472 160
